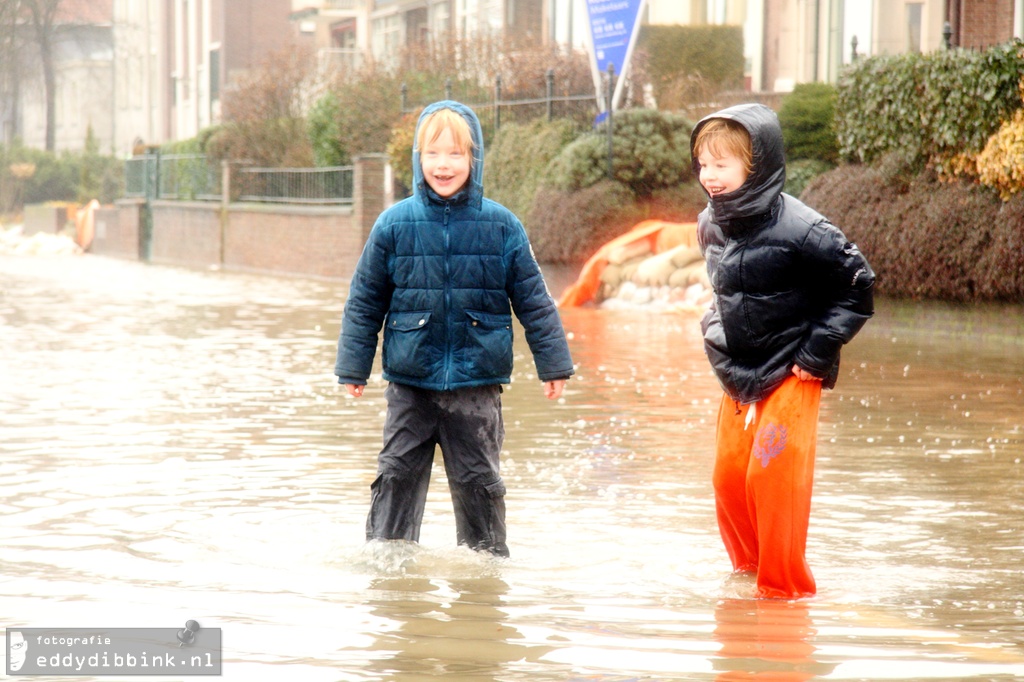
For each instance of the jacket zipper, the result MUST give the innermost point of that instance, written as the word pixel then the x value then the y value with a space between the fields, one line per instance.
pixel 447 298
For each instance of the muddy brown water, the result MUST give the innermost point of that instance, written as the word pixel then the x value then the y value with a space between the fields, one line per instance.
pixel 173 446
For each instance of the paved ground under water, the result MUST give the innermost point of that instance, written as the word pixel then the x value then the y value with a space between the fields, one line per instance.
pixel 173 446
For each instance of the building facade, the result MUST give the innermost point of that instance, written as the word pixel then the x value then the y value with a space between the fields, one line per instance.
pixel 81 38
pixel 145 72
pixel 810 40
pixel 176 59
pixel 978 24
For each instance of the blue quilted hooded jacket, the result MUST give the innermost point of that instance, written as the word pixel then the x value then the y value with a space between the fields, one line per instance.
pixel 443 278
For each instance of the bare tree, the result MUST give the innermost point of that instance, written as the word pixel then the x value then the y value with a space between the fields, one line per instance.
pixel 10 14
pixel 43 14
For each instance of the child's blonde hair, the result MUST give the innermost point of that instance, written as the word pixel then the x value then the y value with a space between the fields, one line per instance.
pixel 723 136
pixel 437 122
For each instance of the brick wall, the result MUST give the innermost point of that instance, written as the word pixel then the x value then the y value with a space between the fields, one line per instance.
pixel 186 233
pixel 368 178
pixel 321 241
pixel 982 23
pixel 117 229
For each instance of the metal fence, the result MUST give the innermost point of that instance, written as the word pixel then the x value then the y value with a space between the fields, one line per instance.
pixel 331 185
pixel 137 173
pixel 496 111
pixel 195 177
pixel 172 176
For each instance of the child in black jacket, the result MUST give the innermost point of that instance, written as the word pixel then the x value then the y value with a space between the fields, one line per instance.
pixel 789 291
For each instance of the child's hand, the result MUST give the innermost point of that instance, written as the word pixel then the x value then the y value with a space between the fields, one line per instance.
pixel 804 375
pixel 354 390
pixel 553 389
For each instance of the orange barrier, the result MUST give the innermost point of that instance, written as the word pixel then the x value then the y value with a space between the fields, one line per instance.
pixel 85 224
pixel 654 236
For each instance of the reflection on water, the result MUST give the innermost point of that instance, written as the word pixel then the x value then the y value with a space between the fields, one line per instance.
pixel 767 639
pixel 173 446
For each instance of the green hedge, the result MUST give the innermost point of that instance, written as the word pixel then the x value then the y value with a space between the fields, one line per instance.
pixel 930 108
pixel 67 176
pixel 516 162
pixel 651 151
pixel 807 118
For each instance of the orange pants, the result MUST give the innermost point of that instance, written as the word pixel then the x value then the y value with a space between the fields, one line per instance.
pixel 763 477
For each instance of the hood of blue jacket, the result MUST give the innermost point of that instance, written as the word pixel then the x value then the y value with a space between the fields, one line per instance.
pixel 474 190
pixel 764 185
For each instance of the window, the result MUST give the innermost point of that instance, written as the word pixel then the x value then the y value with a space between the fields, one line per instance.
pixel 440 19
pixel 914 12
pixel 214 74
pixel 387 37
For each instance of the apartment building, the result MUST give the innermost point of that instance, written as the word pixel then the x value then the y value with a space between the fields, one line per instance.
pixel 179 57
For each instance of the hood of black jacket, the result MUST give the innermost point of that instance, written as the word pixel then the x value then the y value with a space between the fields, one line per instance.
pixel 755 199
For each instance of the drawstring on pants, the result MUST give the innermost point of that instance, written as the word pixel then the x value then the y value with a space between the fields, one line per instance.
pixel 751 413
pixel 751 416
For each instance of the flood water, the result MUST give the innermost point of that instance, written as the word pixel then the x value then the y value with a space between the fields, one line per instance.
pixel 173 446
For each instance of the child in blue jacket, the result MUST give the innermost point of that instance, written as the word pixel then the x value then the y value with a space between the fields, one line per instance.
pixel 443 271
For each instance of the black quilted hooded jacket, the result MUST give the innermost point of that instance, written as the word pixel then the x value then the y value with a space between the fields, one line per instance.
pixel 789 288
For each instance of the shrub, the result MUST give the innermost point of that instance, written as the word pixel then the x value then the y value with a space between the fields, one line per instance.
pixel 651 151
pixel 800 172
pixel 952 241
pixel 400 146
pixel 933 108
pixel 1001 162
pixel 807 117
pixel 467 69
pixel 518 158
pixel 569 227
pixel 324 135
pixel 33 176
pixel 687 62
pixel 264 117
pixel 368 109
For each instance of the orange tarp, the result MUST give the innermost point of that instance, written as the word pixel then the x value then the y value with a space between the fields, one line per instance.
pixel 85 224
pixel 659 236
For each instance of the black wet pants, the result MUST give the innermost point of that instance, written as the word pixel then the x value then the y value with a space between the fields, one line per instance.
pixel 467 424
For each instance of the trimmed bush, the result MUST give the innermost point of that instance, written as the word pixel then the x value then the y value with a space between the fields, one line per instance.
pixel 569 227
pixel 651 152
pixel 950 241
pixel 1001 162
pixel 516 161
pixel 799 174
pixel 933 108
pixel 687 62
pixel 807 117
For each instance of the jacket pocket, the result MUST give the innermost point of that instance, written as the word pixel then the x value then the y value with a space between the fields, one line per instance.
pixel 407 344
pixel 489 344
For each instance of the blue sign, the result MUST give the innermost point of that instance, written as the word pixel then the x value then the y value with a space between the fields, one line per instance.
pixel 613 29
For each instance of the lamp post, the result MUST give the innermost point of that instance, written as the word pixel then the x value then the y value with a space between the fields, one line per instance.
pixel 947 34
pixel 853 49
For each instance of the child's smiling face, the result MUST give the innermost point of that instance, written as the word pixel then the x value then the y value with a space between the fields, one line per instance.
pixel 445 164
pixel 721 174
